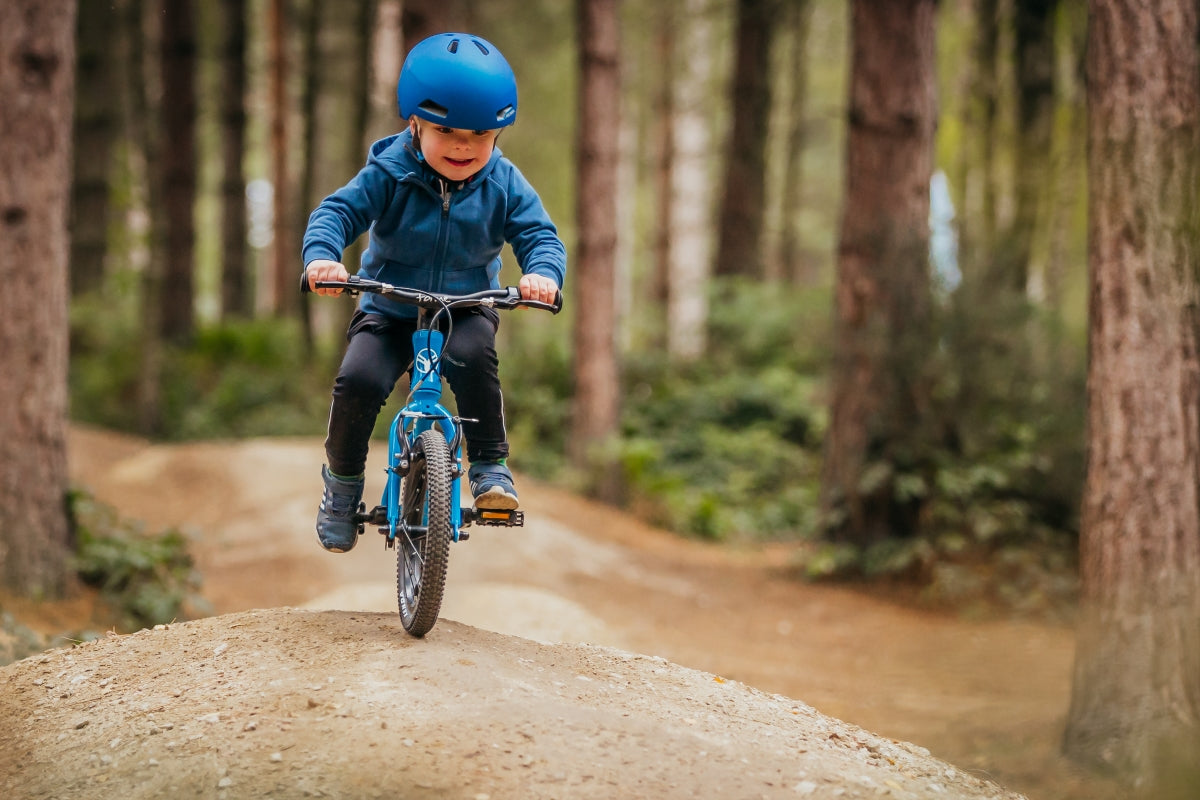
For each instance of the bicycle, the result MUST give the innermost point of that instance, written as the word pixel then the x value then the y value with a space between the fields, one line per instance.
pixel 421 508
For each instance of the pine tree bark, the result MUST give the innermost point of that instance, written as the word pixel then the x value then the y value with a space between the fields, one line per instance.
pixel 1137 669
pixel 236 283
pixel 1035 62
pixel 142 78
pixel 740 243
pixel 691 219
pixel 882 294
pixel 336 120
pixel 664 162
pixel 285 255
pixel 387 55
pixel 96 128
pixel 421 19
pixel 792 263
pixel 178 160
pixel 595 405
pixel 979 193
pixel 37 49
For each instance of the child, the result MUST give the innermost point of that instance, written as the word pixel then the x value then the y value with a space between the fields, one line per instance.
pixel 439 201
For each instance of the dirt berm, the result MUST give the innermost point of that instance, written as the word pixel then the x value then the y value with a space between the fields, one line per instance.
pixel 292 703
pixel 324 695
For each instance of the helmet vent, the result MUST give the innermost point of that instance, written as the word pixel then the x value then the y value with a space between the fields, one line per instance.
pixel 480 45
pixel 453 46
pixel 430 107
pixel 505 113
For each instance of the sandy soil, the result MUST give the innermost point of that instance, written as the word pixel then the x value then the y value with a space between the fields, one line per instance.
pixel 586 655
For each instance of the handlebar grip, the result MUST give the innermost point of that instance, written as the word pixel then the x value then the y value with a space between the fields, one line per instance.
pixel 304 287
pixel 553 308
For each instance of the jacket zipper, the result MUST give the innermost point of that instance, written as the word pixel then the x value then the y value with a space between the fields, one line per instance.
pixel 443 233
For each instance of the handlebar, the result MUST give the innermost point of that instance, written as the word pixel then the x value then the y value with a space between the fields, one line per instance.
pixel 507 298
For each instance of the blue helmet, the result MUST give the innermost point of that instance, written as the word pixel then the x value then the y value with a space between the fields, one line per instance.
pixel 460 81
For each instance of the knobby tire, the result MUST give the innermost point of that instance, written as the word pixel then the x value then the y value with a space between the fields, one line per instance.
pixel 421 560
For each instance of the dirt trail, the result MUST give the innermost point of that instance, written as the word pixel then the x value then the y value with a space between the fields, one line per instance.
pixel 987 697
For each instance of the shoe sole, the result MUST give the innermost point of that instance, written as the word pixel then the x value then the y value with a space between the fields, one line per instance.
pixel 496 499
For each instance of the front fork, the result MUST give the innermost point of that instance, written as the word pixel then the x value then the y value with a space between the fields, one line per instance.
pixel 406 427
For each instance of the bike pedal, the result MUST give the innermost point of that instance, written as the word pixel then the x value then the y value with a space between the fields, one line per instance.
pixel 376 516
pixel 507 518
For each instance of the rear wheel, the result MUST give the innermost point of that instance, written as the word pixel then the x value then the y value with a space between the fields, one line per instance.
pixel 423 543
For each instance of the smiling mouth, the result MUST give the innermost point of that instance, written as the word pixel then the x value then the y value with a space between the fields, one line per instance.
pixel 457 162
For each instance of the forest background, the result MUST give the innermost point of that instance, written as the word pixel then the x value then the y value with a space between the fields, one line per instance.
pixel 829 270
pixel 721 420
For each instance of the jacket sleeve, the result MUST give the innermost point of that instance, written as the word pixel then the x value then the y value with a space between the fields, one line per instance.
pixel 346 214
pixel 531 233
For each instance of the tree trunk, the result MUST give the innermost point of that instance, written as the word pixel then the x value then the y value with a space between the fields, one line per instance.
pixel 37 49
pixel 96 128
pixel 1035 64
pixel 979 200
pixel 387 55
pixel 236 285
pixel 664 162
pixel 423 18
pixel 309 312
pixel 792 263
pixel 691 184
pixel 336 118
pixel 1069 160
pixel 595 404
pixel 339 97
pixel 882 291
pixel 285 256
pixel 179 168
pixel 1136 687
pixel 142 81
pixel 739 248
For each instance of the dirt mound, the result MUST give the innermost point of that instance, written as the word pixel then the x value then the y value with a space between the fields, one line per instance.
pixel 290 703
pixel 989 697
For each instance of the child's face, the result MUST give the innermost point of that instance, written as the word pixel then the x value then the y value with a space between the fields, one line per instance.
pixel 456 154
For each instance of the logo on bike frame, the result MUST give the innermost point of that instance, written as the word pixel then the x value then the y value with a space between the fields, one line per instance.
pixel 426 359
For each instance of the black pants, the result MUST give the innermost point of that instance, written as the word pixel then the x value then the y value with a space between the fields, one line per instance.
pixel 380 352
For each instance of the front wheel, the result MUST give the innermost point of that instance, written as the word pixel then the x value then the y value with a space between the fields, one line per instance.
pixel 423 551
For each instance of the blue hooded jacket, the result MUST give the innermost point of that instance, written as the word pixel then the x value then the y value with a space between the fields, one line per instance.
pixel 431 234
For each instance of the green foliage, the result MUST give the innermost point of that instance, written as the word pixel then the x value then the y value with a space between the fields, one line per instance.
pixel 729 446
pixel 535 368
pixel 997 470
pixel 234 379
pixel 105 357
pixel 146 579
pixel 243 379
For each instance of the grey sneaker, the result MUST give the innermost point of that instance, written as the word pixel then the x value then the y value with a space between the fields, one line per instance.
pixel 492 486
pixel 336 527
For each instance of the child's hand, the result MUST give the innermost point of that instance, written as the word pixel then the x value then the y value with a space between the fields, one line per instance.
pixel 323 270
pixel 538 287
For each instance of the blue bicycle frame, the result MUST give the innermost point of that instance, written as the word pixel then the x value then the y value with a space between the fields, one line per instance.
pixel 422 412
